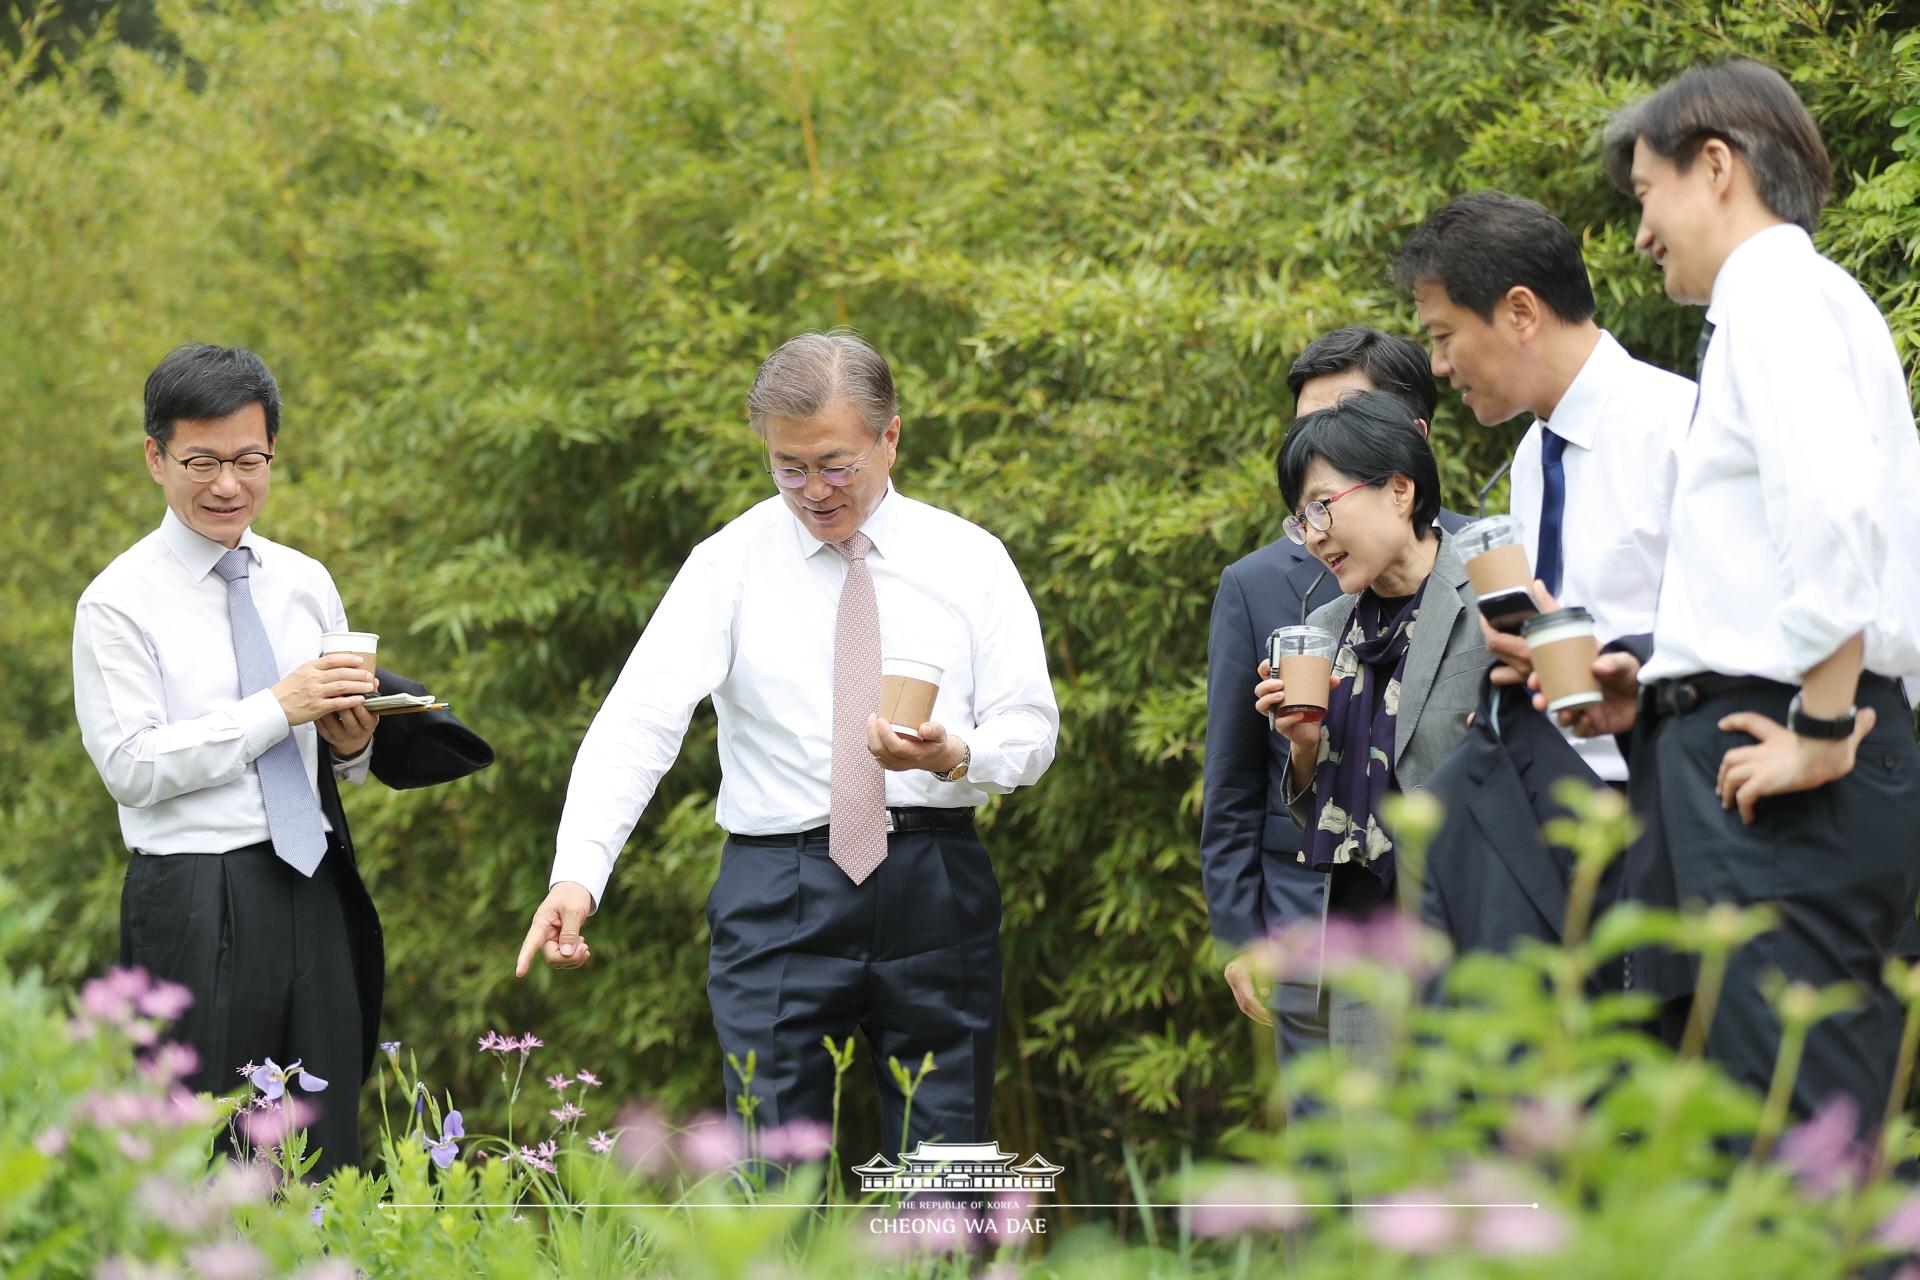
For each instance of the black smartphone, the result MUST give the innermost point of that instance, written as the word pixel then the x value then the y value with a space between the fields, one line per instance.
pixel 1507 611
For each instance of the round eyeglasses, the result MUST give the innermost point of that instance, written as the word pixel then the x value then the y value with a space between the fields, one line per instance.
pixel 204 468
pixel 838 476
pixel 1318 513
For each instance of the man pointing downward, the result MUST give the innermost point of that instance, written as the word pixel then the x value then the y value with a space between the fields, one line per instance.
pixel 852 890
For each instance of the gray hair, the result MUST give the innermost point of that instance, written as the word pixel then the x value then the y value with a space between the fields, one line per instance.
pixel 814 371
pixel 1751 108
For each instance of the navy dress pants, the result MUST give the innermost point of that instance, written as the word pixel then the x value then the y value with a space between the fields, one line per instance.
pixel 1841 862
pixel 911 958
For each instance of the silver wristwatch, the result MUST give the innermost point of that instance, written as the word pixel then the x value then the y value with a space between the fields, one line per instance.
pixel 958 771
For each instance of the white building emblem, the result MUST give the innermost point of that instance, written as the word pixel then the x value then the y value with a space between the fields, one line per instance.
pixel 957 1166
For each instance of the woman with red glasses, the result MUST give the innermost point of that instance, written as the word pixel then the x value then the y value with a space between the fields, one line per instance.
pixel 1363 490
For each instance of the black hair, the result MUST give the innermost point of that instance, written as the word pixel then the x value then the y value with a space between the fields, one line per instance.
pixel 1395 365
pixel 196 382
pixel 1750 107
pixel 1479 247
pixel 1370 436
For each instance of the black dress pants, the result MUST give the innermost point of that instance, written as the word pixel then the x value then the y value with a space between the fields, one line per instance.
pixel 911 957
pixel 267 955
pixel 1841 862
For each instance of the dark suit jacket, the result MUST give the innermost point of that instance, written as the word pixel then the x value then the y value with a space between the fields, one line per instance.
pixel 415 750
pixel 1249 845
pixel 1491 876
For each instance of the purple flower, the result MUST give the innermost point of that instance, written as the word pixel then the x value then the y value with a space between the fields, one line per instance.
pixel 164 1000
pixel 588 1078
pixel 240 1184
pixel 51 1142
pixel 494 1042
pixel 317 1215
pixel 645 1142
pixel 710 1145
pixel 226 1260
pixel 797 1142
pixel 600 1143
pixel 566 1112
pixel 274 1123
pixel 1901 1228
pixel 392 1049
pixel 1416 1221
pixel 531 1157
pixel 1821 1153
pixel 170 1062
pixel 1390 939
pixel 445 1149
pixel 558 1082
pixel 1518 1232
pixel 271 1079
pixel 1245 1201
pixel 110 998
pixel 1541 1126
pixel 165 1201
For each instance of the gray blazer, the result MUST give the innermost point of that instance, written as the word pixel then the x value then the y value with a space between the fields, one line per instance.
pixel 1442 681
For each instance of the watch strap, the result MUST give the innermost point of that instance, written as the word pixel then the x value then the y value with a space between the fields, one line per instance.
pixel 1808 726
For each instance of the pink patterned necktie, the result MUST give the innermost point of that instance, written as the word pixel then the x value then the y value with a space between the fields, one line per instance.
pixel 857 836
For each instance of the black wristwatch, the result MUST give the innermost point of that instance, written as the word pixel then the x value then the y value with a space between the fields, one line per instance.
pixel 1814 727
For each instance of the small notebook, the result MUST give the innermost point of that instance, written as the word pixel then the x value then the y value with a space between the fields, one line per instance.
pixel 399 704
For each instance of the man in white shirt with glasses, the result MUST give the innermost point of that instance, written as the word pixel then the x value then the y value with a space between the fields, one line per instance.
pixel 853 891
pixel 210 715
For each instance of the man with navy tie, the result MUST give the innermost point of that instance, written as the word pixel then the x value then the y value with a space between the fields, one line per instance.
pixel 205 707
pixel 1502 291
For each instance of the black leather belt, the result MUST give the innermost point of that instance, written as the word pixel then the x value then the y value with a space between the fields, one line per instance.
pixel 914 819
pixel 1682 694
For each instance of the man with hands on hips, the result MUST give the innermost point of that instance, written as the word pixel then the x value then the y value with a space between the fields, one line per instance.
pixel 1773 741
pixel 210 726
pixel 853 891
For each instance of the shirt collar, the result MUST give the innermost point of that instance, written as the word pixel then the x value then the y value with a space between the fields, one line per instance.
pixel 1576 419
pixel 879 527
pixel 195 551
pixel 1757 257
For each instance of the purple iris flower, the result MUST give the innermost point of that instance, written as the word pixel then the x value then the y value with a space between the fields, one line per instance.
pixel 443 1151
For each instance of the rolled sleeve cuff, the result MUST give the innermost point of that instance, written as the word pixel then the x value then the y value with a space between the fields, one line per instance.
pixel 1814 633
pixel 262 721
pixel 585 867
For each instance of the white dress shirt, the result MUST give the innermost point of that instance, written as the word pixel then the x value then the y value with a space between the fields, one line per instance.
pixel 1796 520
pixel 749 620
pixel 157 690
pixel 1623 420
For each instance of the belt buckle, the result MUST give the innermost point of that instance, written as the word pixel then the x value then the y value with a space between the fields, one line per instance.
pixel 1686 696
pixel 891 828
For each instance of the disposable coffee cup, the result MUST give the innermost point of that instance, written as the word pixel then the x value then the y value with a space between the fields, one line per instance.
pixel 907 691
pixel 1495 553
pixel 364 643
pixel 1303 659
pixel 1564 648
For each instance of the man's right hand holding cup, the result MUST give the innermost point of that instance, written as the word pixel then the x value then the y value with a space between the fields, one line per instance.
pixel 331 682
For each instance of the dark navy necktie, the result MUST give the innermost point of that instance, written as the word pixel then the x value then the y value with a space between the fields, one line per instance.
pixel 1700 363
pixel 1553 505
